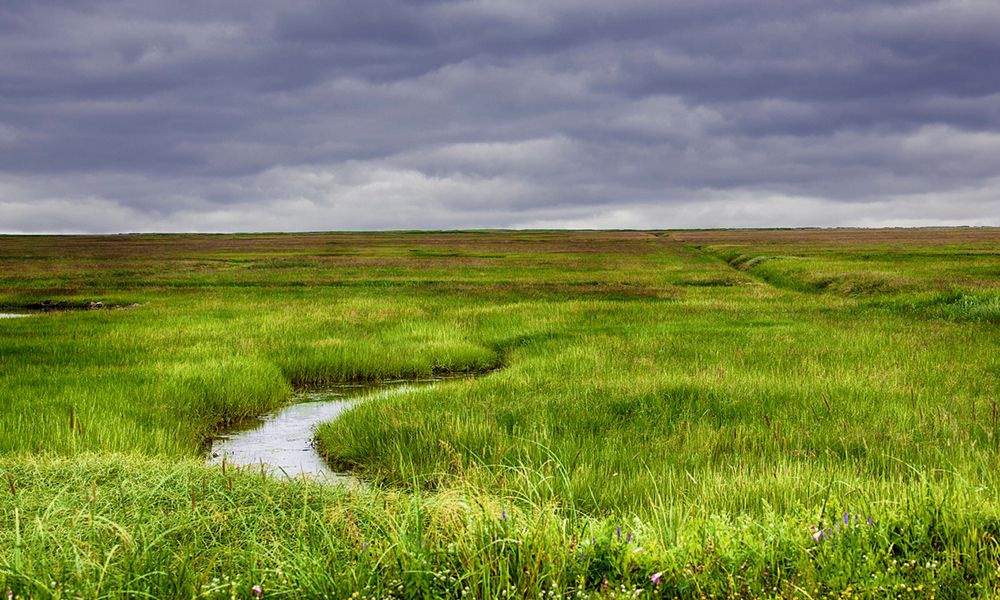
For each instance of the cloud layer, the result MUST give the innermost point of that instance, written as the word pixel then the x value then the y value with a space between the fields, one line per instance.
pixel 231 115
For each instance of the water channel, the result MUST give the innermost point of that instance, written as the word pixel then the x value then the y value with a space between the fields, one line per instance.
pixel 282 443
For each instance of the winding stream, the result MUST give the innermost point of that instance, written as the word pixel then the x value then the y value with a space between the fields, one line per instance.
pixel 12 315
pixel 282 442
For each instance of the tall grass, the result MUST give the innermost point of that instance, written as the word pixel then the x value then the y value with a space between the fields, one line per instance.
pixel 716 411
pixel 99 526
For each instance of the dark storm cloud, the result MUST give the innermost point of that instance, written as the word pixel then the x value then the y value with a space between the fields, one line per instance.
pixel 232 115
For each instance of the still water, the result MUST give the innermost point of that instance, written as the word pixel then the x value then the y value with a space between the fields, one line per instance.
pixel 282 442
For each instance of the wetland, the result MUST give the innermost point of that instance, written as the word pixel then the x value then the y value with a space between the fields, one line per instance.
pixel 731 413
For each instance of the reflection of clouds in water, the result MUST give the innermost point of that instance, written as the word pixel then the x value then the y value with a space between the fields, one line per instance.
pixel 282 443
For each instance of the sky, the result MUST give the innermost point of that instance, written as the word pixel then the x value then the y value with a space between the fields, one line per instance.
pixel 260 115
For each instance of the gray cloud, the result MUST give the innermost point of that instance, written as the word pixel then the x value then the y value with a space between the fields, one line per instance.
pixel 235 115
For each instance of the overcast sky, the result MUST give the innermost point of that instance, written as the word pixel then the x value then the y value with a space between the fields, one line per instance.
pixel 244 115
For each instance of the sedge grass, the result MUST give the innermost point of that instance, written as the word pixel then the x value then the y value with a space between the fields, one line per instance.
pixel 719 408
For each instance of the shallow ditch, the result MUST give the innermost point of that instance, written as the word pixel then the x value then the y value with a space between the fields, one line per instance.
pixel 282 443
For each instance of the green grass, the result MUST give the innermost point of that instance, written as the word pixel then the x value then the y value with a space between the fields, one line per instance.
pixel 714 394
pixel 98 526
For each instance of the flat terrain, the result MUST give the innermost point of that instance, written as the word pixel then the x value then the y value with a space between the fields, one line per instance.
pixel 774 413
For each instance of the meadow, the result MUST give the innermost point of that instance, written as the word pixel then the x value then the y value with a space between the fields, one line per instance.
pixel 742 414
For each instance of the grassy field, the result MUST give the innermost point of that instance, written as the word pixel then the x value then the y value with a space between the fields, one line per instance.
pixel 780 413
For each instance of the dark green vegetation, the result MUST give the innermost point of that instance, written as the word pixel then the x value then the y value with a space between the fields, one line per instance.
pixel 719 397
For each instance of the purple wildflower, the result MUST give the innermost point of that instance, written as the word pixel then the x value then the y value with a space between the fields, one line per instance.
pixel 819 535
pixel 257 591
pixel 628 539
pixel 618 530
pixel 503 514
pixel 870 522
pixel 847 519
pixel 655 578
